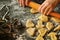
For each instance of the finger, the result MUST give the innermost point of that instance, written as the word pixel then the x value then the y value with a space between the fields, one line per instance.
pixel 44 7
pixel 49 11
pixel 39 9
pixel 46 10
pixel 23 3
pixel 20 2
pixel 27 1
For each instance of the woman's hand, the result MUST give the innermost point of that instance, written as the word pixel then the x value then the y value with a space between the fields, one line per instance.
pixel 48 6
pixel 23 2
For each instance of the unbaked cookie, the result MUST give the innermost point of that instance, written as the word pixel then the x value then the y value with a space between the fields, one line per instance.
pixel 53 35
pixel 57 28
pixel 31 31
pixel 39 37
pixel 33 11
pixel 29 23
pixel 43 18
pixel 39 24
pixel 49 25
pixel 42 31
pixel 55 20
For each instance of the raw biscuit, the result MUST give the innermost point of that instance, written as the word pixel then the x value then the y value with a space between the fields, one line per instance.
pixel 57 28
pixel 33 11
pixel 31 31
pixel 49 26
pixel 43 18
pixel 39 37
pixel 42 31
pixel 52 35
pixel 55 20
pixel 39 24
pixel 29 23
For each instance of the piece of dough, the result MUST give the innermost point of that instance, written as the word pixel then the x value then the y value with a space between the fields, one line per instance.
pixel 39 24
pixel 55 19
pixel 57 28
pixel 42 31
pixel 31 31
pixel 43 18
pixel 33 11
pixel 52 35
pixel 39 37
pixel 49 26
pixel 29 23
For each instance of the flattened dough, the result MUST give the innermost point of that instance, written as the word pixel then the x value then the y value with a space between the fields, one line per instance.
pixel 39 37
pixel 43 18
pixel 57 28
pixel 29 23
pixel 42 31
pixel 52 35
pixel 33 11
pixel 49 25
pixel 31 31
pixel 55 19
pixel 39 24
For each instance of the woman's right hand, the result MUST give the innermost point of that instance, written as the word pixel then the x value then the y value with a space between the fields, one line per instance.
pixel 48 6
pixel 23 2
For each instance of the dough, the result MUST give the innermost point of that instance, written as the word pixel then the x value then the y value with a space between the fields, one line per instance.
pixel 39 24
pixel 29 23
pixel 31 31
pixel 49 25
pixel 39 37
pixel 55 19
pixel 52 35
pixel 57 28
pixel 33 11
pixel 42 31
pixel 43 18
